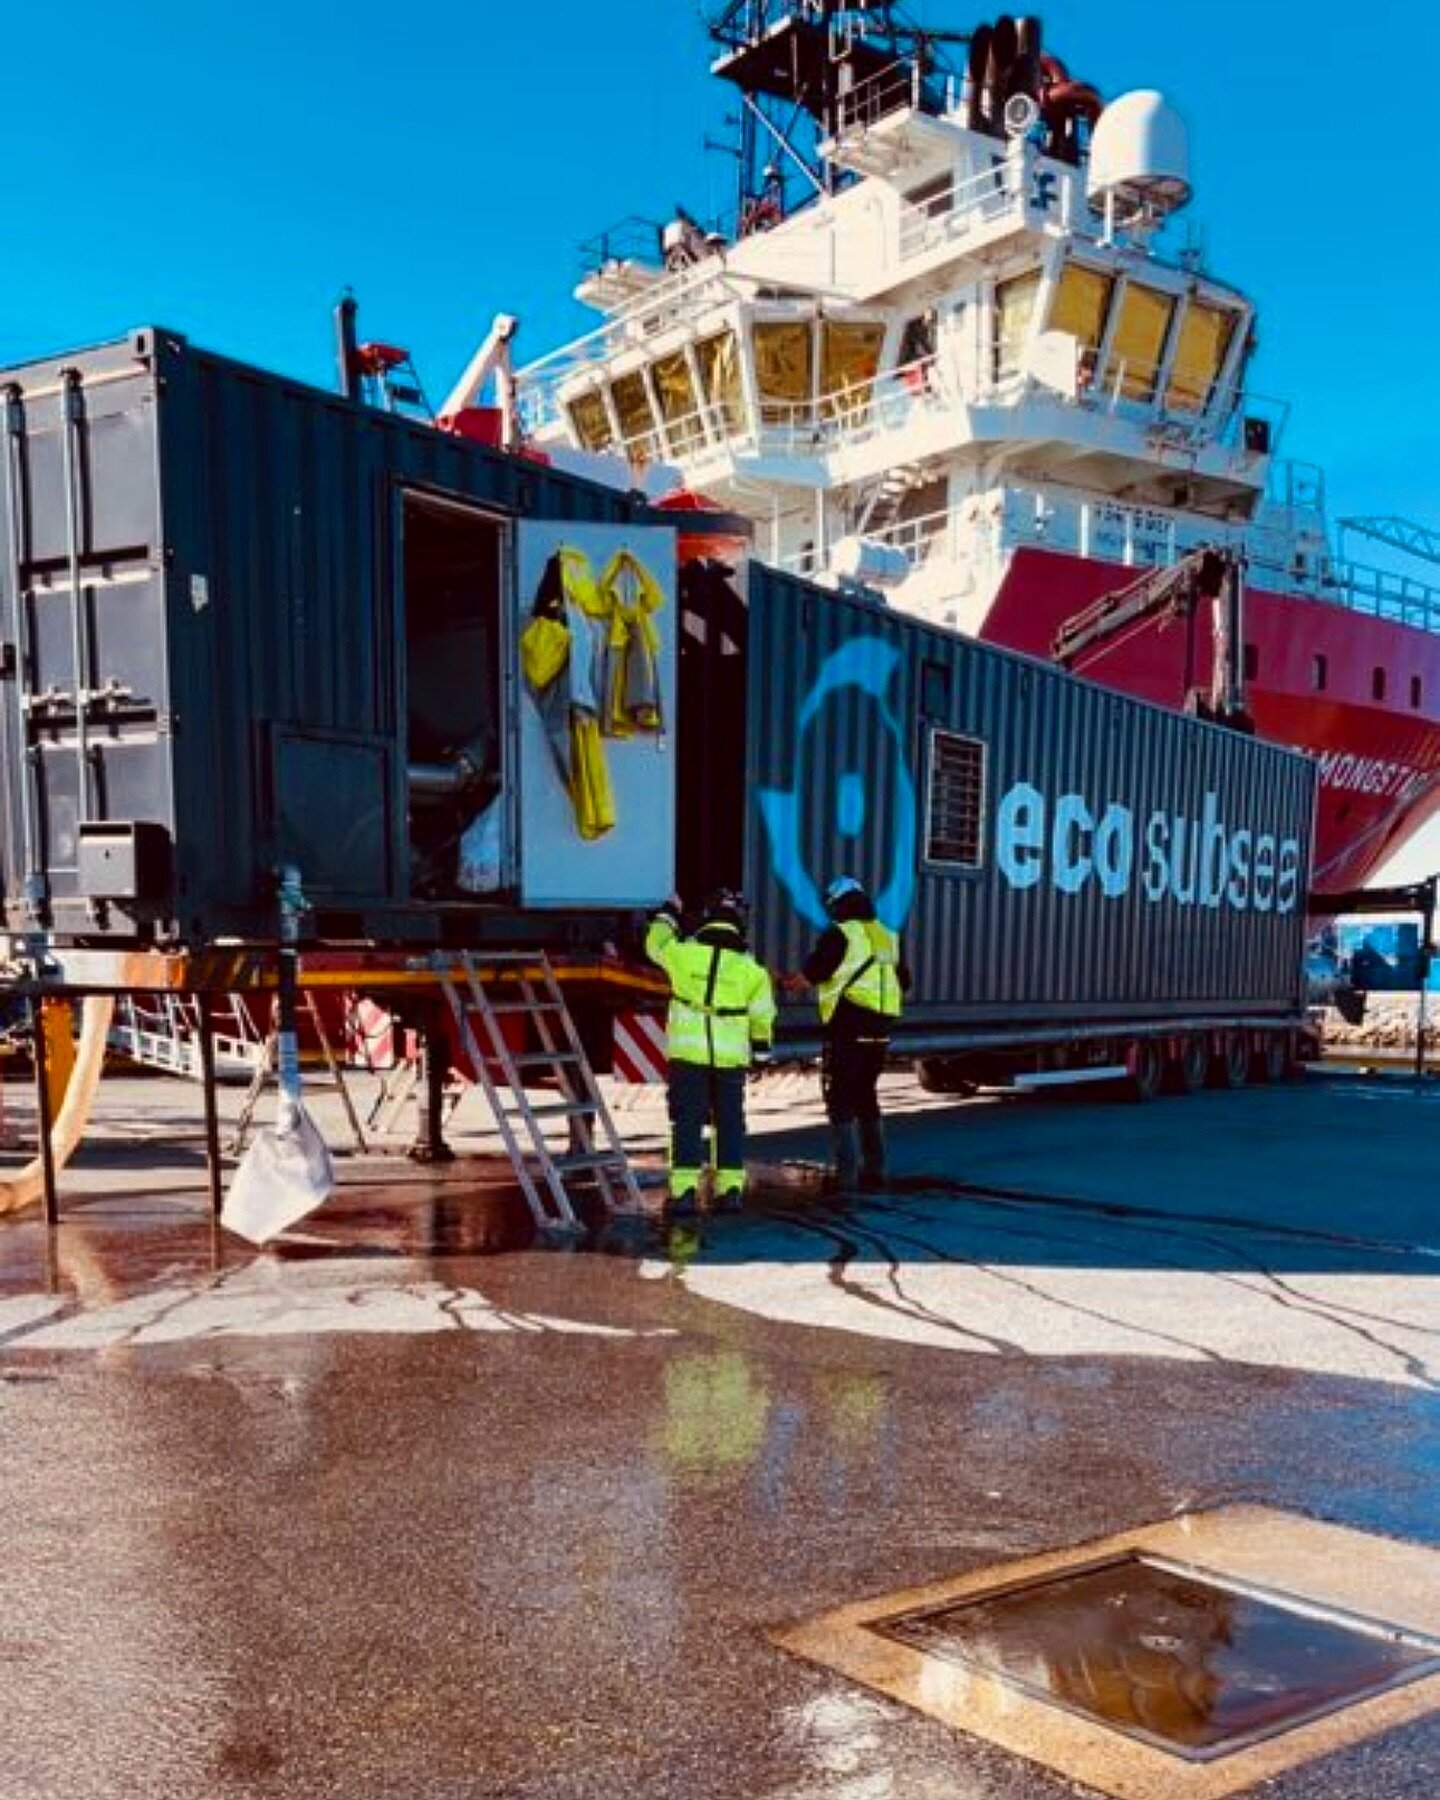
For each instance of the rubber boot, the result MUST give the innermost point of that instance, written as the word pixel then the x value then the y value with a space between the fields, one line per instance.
pixel 872 1156
pixel 844 1158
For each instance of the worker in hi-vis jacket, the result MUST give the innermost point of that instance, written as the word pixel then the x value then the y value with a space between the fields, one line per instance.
pixel 859 979
pixel 722 1012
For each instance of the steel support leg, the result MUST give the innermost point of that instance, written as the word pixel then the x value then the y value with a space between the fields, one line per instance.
pixel 430 1145
pixel 206 1024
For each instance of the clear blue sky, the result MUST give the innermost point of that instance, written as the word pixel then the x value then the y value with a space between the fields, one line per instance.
pixel 228 170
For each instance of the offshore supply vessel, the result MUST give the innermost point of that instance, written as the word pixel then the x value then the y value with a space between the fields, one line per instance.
pixel 941 349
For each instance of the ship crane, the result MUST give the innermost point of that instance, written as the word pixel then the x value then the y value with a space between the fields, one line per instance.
pixel 459 413
pixel 492 358
pixel 1212 575
pixel 1396 534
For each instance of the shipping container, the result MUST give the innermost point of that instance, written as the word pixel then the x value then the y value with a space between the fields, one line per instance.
pixel 1058 858
pixel 469 697
pixel 302 629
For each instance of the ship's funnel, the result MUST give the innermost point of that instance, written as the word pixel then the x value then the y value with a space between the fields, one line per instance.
pixel 1139 159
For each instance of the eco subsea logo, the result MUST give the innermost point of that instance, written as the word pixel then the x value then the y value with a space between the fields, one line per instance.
pixel 1074 846
pixel 852 797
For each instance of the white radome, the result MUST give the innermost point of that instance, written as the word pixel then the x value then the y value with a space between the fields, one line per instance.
pixel 1141 154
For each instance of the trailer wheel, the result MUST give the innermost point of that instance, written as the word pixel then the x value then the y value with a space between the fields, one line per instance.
pixel 1273 1062
pixel 1231 1068
pixel 939 1075
pixel 1147 1073
pixel 1187 1072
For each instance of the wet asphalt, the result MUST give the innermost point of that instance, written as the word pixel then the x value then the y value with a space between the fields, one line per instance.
pixel 411 1507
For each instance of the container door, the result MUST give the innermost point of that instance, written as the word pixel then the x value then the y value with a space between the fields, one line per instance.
pixel 595 657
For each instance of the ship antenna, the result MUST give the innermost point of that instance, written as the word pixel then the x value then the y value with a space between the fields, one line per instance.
pixel 796 62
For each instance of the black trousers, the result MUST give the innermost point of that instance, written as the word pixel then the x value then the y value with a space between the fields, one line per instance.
pixel 699 1094
pixel 849 1075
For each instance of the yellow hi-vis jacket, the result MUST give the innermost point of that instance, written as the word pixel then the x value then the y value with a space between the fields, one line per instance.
pixel 870 974
pixel 722 1005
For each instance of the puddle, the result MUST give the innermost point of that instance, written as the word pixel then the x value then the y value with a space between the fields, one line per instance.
pixel 1168 1656
pixel 1187 1660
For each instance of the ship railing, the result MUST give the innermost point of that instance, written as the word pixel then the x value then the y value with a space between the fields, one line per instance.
pixel 855 414
pixel 1297 486
pixel 845 417
pixel 922 538
pixel 678 299
pixel 898 85
pixel 1384 594
pixel 1133 388
pixel 960 209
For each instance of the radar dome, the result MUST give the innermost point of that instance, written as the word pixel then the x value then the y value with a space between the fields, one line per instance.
pixel 1140 154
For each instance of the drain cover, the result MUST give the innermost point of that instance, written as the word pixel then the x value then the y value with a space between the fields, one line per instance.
pixel 1191 1659
pixel 1168 1655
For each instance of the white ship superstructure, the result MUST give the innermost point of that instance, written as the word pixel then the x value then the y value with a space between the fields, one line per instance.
pixel 974 345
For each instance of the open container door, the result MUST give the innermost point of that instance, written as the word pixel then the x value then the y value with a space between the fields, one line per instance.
pixel 595 660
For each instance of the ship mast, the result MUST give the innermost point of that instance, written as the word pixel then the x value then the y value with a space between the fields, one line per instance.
pixel 794 62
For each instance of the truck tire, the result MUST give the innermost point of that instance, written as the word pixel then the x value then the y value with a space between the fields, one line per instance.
pixel 1147 1076
pixel 1231 1068
pixel 1273 1062
pixel 1187 1072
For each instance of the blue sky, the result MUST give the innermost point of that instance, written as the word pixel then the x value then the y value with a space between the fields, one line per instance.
pixel 227 171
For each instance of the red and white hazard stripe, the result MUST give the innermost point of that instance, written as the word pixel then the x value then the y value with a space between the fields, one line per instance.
pixel 639 1047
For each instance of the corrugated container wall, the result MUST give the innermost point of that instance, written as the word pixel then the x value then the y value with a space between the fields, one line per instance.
pixel 236 540
pixel 1049 849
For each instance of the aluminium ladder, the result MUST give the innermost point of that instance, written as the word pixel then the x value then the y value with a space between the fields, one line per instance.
pixel 530 992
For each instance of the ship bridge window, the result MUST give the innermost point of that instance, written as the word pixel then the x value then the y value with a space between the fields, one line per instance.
pixel 784 368
pixel 1377 684
pixel 849 363
pixel 955 813
pixel 1082 304
pixel 1014 311
pixel 1139 340
pixel 675 390
pixel 719 361
pixel 1200 352
pixel 590 422
pixel 1417 693
pixel 636 416
pixel 1319 673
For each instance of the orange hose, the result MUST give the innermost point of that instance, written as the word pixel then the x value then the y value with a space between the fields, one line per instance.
pixel 27 1185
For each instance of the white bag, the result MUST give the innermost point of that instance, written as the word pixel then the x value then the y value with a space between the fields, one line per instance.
pixel 479 871
pixel 285 1174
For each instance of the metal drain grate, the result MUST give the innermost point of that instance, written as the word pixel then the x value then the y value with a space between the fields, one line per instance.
pixel 1173 1656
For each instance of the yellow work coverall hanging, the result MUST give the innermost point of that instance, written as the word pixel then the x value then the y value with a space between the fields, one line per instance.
pixel 591 658
pixel 561 659
pixel 630 597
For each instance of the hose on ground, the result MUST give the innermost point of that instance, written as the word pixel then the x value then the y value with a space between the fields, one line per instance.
pixel 27 1185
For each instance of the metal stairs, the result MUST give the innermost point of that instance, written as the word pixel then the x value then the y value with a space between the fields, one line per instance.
pixel 553 1050
pixel 888 496
pixel 162 1031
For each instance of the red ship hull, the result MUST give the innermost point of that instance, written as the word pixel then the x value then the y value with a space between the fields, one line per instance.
pixel 1359 693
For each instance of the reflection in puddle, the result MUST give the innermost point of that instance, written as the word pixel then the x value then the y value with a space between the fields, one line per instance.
pixel 1170 1657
